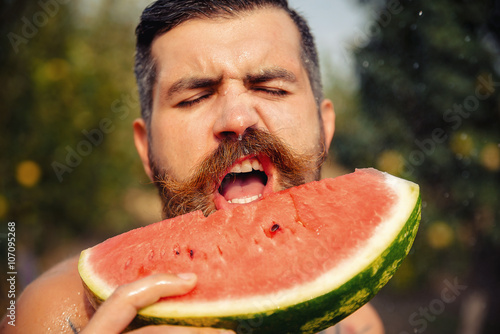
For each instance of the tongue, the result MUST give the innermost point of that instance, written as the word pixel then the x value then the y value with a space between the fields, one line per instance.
pixel 243 186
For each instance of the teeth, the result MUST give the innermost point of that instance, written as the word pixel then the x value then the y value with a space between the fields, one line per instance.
pixel 236 169
pixel 246 166
pixel 257 166
pixel 245 200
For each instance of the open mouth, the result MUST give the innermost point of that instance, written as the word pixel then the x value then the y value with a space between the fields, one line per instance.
pixel 245 182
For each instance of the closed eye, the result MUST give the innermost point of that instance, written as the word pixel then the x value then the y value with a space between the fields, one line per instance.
pixel 194 100
pixel 205 95
pixel 271 91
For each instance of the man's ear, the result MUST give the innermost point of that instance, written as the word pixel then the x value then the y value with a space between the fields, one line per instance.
pixel 141 144
pixel 328 116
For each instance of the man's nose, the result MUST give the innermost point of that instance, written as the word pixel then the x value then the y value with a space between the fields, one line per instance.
pixel 237 114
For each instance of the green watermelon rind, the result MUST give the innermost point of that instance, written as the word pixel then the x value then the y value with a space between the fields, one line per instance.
pixel 326 310
pixel 317 313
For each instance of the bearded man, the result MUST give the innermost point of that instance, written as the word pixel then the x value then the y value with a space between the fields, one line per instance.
pixel 232 109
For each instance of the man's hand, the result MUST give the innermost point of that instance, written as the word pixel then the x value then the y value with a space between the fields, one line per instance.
pixel 116 313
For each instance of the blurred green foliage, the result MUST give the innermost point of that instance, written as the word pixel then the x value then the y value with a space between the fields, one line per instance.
pixel 428 110
pixel 70 173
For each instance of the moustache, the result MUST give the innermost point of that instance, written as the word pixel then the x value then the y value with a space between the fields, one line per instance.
pixel 195 193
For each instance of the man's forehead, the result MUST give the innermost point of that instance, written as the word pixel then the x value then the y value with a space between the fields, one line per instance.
pixel 200 43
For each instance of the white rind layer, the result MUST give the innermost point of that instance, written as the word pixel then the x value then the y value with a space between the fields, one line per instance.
pixel 407 197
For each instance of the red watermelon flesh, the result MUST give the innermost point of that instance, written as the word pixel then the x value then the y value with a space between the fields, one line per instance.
pixel 284 241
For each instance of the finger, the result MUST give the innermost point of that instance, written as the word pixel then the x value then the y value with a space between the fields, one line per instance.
pixel 180 330
pixel 116 313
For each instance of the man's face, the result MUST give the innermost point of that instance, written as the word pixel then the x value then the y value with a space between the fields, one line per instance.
pixel 218 78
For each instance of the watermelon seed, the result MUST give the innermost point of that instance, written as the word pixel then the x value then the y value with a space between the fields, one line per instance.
pixel 191 253
pixel 275 227
pixel 176 249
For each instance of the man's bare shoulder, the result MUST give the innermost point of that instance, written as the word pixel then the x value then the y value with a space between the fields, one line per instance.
pixel 53 303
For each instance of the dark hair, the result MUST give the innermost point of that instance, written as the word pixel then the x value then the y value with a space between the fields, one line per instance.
pixel 163 15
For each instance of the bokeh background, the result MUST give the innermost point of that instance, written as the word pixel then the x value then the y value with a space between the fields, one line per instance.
pixel 416 87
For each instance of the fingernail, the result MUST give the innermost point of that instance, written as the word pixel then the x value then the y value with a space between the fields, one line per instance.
pixel 186 276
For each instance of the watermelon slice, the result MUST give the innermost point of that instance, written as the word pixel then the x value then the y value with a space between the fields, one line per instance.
pixel 295 261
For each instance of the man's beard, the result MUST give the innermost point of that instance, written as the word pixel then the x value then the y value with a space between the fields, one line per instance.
pixel 195 193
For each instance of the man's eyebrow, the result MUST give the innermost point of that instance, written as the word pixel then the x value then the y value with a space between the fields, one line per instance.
pixel 192 83
pixel 264 75
pixel 270 74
